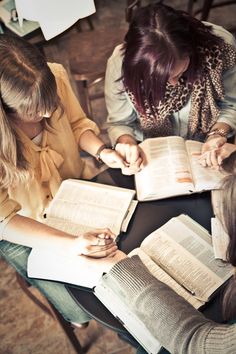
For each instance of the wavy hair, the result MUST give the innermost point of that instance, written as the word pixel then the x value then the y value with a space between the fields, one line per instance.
pixel 27 88
pixel 228 219
pixel 158 36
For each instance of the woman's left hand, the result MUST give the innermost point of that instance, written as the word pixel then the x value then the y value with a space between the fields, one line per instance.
pixel 112 158
pixel 209 156
pixel 98 243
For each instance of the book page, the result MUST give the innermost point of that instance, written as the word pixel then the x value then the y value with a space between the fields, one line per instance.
pixel 220 239
pixel 68 227
pixel 167 172
pixel 91 205
pixel 161 275
pixel 179 249
pixel 58 266
pixel 205 178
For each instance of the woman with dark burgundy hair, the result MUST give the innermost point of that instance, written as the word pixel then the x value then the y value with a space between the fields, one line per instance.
pixel 173 75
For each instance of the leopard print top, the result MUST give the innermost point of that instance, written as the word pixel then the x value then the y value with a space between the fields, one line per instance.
pixel 204 94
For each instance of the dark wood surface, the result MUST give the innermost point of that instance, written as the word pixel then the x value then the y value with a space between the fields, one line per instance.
pixel 148 216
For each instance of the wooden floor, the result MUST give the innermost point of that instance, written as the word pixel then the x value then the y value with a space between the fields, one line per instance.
pixel 25 329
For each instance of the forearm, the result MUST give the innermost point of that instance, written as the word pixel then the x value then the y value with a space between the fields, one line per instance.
pixel 90 143
pixel 175 323
pixel 28 232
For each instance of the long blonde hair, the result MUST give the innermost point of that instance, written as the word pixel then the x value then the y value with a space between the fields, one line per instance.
pixel 27 87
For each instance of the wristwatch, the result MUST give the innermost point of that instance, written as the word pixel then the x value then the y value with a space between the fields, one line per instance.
pixel 98 153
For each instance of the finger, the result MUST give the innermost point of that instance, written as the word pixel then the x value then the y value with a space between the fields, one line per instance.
pixel 213 158
pixel 134 154
pixel 101 231
pixel 208 159
pixel 105 233
pixel 127 171
pixel 101 253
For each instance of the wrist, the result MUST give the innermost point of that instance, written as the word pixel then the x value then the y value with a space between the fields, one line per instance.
pixel 217 133
pixel 100 151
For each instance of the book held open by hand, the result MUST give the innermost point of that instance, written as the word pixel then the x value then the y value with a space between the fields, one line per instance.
pixel 179 254
pixel 80 206
pixel 172 168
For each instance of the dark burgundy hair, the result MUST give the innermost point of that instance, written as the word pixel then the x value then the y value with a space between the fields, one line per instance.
pixel 158 36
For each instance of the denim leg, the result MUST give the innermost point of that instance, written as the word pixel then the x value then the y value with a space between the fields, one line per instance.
pixel 56 293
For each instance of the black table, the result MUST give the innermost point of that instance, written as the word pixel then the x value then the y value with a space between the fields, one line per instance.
pixel 148 216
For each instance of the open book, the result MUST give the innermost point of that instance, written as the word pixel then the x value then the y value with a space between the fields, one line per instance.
pixel 179 254
pixel 80 206
pixel 173 169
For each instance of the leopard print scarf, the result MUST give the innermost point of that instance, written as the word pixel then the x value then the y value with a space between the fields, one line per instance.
pixel 204 94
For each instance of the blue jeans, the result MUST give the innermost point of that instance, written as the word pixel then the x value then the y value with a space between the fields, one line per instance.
pixel 55 292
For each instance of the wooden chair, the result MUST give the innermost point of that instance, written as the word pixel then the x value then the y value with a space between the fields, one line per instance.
pixel 207 6
pixel 88 67
pixel 50 310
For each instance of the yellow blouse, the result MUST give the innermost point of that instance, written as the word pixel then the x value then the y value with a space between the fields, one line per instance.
pixel 55 159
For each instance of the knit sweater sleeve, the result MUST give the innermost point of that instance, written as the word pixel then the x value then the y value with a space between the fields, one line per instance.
pixel 175 323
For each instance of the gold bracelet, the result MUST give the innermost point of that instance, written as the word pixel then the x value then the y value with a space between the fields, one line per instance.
pixel 221 132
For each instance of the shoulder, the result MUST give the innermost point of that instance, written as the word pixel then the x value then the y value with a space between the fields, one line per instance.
pixel 222 33
pixel 61 77
pixel 57 69
pixel 115 60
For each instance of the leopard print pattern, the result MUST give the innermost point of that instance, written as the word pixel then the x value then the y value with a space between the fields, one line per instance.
pixel 204 94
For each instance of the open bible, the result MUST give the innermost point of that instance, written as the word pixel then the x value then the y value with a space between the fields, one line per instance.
pixel 80 206
pixel 172 168
pixel 179 254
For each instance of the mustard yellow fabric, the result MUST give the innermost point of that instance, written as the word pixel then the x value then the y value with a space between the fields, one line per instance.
pixel 55 159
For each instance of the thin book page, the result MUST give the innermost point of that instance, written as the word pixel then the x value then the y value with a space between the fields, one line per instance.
pixel 167 171
pixel 220 239
pixel 64 267
pixel 91 204
pixel 205 178
pixel 161 275
pixel 186 257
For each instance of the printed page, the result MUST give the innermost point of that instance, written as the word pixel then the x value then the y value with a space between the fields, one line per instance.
pixel 205 178
pixel 69 227
pixel 167 172
pixel 129 215
pixel 91 205
pixel 58 266
pixel 183 250
pixel 220 239
pixel 123 313
pixel 161 275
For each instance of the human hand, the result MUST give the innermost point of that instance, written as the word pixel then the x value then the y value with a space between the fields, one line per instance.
pixel 97 244
pixel 103 265
pixel 112 158
pixel 224 151
pixel 209 155
pixel 133 157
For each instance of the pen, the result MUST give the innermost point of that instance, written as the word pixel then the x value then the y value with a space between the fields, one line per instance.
pixel 193 293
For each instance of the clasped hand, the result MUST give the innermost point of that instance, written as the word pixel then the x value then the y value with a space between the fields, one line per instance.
pixel 128 157
pixel 214 151
pixel 97 244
